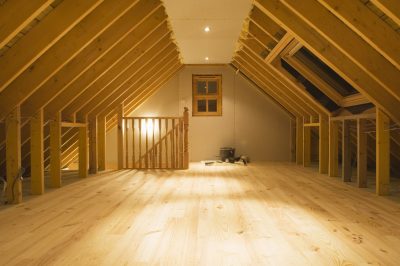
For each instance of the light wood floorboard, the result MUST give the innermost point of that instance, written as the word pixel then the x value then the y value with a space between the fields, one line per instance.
pixel 263 214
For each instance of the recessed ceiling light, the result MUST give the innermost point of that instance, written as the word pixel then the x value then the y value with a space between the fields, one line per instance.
pixel 206 58
pixel 207 29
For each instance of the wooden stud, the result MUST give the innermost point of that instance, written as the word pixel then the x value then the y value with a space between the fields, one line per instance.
pixel 13 156
pixel 140 143
pixel 133 145
pixel 120 136
pixel 83 152
pixel 166 144
pixel 126 132
pixel 333 149
pixel 361 153
pixel 153 142
pixel 306 146
pixel 346 152
pixel 299 141
pixel 101 137
pixel 37 150
pixel 181 143
pixel 42 37
pixel 146 158
pixel 159 144
pixel 93 146
pixel 323 145
pixel 55 151
pixel 186 138
pixel 382 153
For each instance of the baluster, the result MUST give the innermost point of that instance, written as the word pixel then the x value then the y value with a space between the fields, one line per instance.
pixel 160 144
pixel 153 121
pixel 140 143
pixel 147 145
pixel 177 144
pixel 166 143
pixel 126 124
pixel 133 144
pixel 172 144
pixel 181 143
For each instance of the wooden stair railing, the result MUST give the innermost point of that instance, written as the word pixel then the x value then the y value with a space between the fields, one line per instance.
pixel 156 142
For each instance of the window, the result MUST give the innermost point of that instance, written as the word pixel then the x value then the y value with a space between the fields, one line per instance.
pixel 207 92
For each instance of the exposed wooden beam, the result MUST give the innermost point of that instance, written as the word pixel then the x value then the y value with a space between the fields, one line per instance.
pixel 41 37
pixel 299 141
pixel 270 82
pixel 367 25
pixel 382 153
pixel 270 26
pixel 293 96
pixel 144 52
pixel 101 142
pixel 362 153
pixel 344 39
pixel 70 124
pixel 93 150
pixel 106 69
pixel 355 99
pixel 13 156
pixel 122 35
pixel 62 52
pixel 36 152
pixel 16 15
pixel 306 146
pixel 391 8
pixel 323 145
pixel 354 117
pixel 333 149
pixel 135 81
pixel 120 137
pixel 346 152
pixel 311 124
pixel 55 151
pixel 83 152
pixel 240 64
pixel 279 47
pixel 333 57
pixel 311 76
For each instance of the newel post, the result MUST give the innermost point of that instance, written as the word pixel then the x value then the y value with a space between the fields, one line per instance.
pixel 186 138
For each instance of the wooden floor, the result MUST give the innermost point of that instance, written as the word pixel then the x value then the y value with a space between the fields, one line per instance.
pixel 263 214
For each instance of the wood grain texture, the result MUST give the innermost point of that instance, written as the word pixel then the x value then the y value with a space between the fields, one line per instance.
pixel 263 214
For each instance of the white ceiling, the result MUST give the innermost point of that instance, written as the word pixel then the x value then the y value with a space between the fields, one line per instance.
pixel 225 19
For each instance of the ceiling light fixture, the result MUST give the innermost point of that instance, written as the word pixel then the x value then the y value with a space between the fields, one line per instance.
pixel 206 58
pixel 207 29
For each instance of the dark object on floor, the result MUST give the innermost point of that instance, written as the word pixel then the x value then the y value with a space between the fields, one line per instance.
pixel 226 153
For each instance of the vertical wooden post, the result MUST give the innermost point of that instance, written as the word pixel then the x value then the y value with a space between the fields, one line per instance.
pixel 181 143
pixel 83 152
pixel 55 151
pixel 166 143
pixel 292 140
pixel 186 138
pixel 37 163
pixel 133 144
pixel 333 149
pixel 346 152
pixel 13 156
pixel 126 132
pixel 159 144
pixel 146 153
pixel 299 140
pixel 154 146
pixel 306 146
pixel 382 153
pixel 361 153
pixel 323 145
pixel 93 154
pixel 120 137
pixel 140 143
pixel 101 142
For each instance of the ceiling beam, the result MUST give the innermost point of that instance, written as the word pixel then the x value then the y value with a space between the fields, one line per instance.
pixel 368 26
pixel 61 53
pixel 16 15
pixel 347 41
pixel 243 67
pixel 333 57
pixel 41 37
pixel 128 76
pixel 136 84
pixel 391 8
pixel 110 45
pixel 108 67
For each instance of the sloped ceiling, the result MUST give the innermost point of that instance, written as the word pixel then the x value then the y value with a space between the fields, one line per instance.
pixel 190 17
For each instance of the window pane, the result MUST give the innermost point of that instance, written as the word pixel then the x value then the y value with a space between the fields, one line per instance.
pixel 201 106
pixel 212 105
pixel 212 87
pixel 201 87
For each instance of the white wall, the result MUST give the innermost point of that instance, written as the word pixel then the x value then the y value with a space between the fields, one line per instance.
pixel 251 122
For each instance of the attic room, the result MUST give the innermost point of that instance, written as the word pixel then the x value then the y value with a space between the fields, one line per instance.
pixel 166 132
